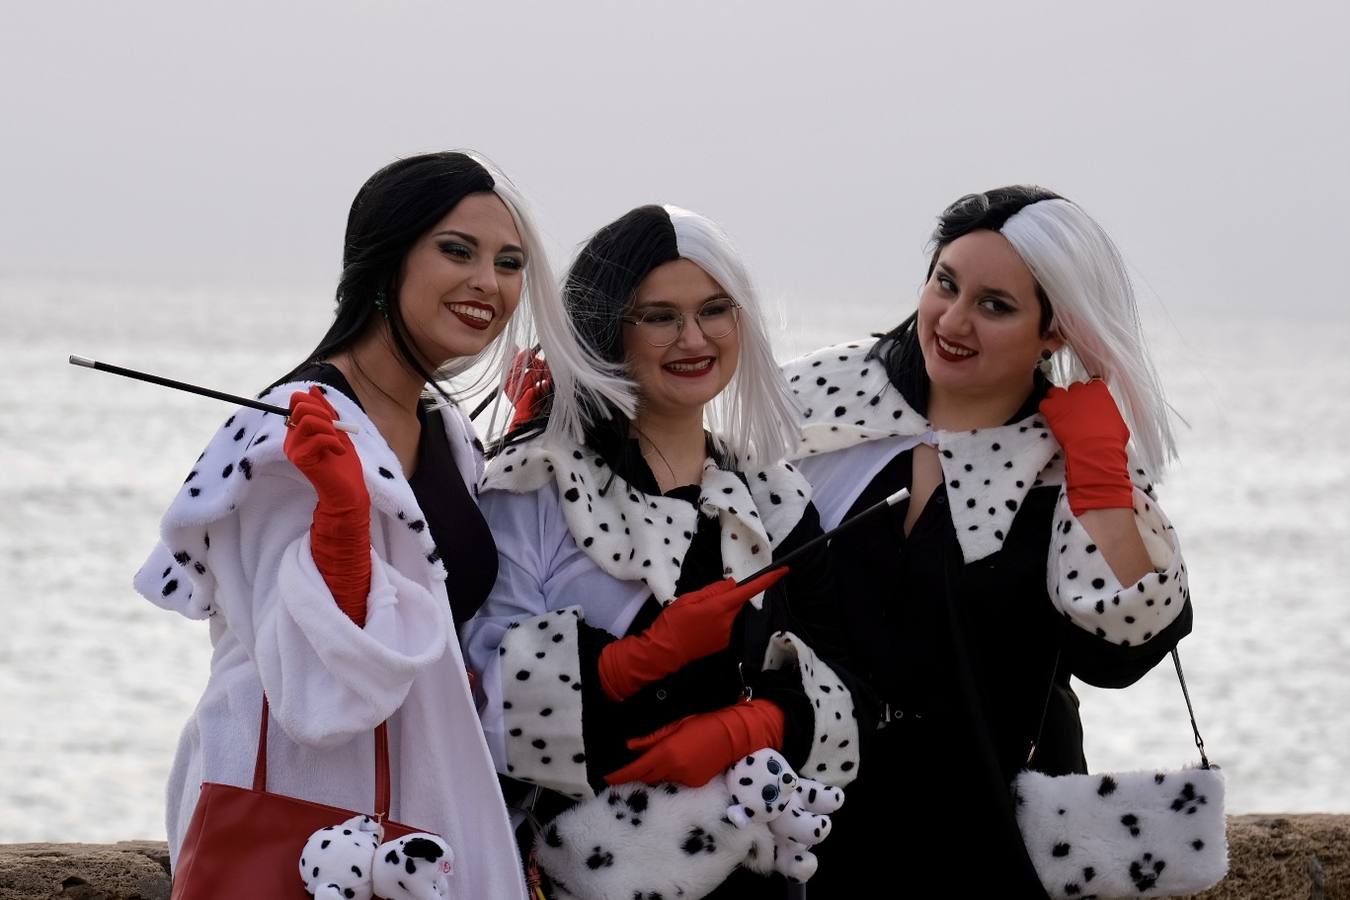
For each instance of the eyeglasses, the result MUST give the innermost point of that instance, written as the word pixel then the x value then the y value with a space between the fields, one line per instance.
pixel 662 326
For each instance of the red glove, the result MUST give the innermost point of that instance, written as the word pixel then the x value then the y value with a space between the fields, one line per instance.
pixel 528 382
pixel 697 748
pixel 693 626
pixel 340 533
pixel 1087 424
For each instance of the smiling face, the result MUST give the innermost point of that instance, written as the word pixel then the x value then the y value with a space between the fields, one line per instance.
pixel 462 280
pixel 680 379
pixel 979 321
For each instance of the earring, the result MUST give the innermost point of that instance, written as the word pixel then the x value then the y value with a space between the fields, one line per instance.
pixel 382 302
pixel 1044 366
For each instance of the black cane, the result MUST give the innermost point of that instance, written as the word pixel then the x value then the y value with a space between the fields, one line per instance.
pixel 820 538
pixel 194 389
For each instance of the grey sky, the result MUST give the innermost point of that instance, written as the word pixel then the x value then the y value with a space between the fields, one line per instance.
pixel 222 142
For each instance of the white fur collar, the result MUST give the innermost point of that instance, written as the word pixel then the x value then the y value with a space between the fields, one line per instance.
pixel 846 399
pixel 643 537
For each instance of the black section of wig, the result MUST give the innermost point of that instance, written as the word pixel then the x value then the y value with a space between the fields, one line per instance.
pixel 601 284
pixel 898 349
pixel 393 210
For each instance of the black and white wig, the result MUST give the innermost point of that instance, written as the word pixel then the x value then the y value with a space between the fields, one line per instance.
pixel 753 418
pixel 1086 298
pixel 397 206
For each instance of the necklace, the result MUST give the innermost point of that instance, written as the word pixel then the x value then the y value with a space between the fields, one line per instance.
pixel 364 377
pixel 657 450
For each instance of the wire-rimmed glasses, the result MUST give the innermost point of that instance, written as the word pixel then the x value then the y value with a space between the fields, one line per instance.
pixel 662 326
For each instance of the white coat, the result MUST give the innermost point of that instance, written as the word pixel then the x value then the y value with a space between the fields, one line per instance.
pixel 235 550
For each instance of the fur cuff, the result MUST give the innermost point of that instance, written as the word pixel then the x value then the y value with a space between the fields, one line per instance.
pixel 541 702
pixel 834 742
pixel 1083 586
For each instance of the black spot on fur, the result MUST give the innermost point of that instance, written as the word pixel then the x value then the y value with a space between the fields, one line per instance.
pixel 599 859
pixel 423 849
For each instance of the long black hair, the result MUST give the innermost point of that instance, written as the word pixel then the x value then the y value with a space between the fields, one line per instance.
pixel 898 348
pixel 394 208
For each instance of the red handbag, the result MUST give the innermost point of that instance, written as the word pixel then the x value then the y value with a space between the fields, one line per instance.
pixel 247 843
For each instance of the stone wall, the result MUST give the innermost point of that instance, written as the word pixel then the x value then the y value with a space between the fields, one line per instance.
pixel 1304 857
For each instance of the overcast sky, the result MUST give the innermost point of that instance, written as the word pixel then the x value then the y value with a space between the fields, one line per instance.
pixel 222 143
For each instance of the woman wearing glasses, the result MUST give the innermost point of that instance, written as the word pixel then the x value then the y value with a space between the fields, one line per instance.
pixel 1032 548
pixel 615 646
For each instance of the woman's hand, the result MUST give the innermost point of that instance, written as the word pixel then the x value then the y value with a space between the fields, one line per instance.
pixel 697 748
pixel 340 533
pixel 528 382
pixel 693 626
pixel 1088 426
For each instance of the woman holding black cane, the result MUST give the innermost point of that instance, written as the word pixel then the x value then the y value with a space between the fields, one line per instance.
pixel 333 567
pixel 617 646
pixel 1032 548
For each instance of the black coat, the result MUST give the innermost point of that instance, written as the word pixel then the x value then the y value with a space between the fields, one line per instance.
pixel 960 659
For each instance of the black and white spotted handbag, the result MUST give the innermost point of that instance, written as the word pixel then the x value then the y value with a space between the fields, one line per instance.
pixel 1126 834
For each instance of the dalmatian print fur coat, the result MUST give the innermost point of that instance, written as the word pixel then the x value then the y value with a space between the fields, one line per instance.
pixel 971 623
pixel 234 550
pixel 581 548
pixel 577 543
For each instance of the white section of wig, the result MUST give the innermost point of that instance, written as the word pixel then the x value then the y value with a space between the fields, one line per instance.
pixel 1094 311
pixel 579 376
pixel 754 416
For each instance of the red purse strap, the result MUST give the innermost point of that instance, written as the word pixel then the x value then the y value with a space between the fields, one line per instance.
pixel 381 763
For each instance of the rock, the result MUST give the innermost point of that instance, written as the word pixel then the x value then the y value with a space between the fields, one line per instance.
pixel 1298 857
pixel 130 870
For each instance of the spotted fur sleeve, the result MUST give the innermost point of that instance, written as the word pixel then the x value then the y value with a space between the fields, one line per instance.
pixel 541 700
pixel 525 644
pixel 1083 587
pixel 834 757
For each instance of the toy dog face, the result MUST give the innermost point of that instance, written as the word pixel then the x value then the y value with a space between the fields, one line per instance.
pixel 761 785
pixel 416 867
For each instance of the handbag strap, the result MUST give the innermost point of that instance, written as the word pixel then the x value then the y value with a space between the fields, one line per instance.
pixel 381 763
pixel 1181 677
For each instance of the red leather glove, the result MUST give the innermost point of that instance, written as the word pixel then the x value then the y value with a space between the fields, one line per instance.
pixel 1087 424
pixel 340 532
pixel 697 748
pixel 528 382
pixel 693 626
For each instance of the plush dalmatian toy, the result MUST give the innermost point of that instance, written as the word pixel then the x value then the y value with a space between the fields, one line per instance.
pixel 348 862
pixel 765 790
pixel 415 867
pixel 638 840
